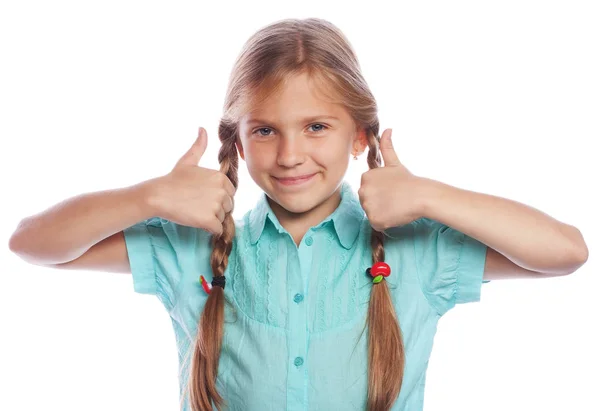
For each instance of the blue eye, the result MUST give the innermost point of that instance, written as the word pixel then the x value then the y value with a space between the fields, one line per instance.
pixel 324 127
pixel 262 128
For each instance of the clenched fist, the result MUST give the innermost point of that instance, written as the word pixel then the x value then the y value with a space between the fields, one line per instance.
pixel 391 195
pixel 194 196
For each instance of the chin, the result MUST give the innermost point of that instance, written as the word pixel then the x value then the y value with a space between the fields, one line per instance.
pixel 299 205
pixel 298 202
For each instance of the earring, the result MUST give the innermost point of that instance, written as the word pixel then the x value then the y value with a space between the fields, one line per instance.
pixel 355 157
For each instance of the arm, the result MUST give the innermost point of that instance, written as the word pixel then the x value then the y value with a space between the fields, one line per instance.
pixel 67 230
pixel 525 242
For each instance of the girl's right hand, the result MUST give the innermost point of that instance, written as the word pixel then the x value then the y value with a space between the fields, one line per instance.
pixel 191 195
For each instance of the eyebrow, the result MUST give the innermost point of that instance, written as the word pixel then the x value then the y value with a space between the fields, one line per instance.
pixel 303 120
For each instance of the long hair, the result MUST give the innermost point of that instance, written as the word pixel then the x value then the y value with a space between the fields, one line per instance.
pixel 271 55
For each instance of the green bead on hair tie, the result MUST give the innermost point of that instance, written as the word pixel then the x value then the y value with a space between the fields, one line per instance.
pixel 377 279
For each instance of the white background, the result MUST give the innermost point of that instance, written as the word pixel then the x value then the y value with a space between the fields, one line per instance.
pixel 495 97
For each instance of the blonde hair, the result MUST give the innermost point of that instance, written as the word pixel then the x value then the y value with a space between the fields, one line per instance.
pixel 273 54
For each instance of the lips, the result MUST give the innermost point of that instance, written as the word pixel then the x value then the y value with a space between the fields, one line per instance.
pixel 296 178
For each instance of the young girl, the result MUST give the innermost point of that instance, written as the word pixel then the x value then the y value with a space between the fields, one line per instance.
pixel 318 298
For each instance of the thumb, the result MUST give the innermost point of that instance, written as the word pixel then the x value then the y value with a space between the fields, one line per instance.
pixel 387 149
pixel 194 154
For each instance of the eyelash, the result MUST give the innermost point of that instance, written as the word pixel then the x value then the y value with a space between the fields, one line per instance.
pixel 267 128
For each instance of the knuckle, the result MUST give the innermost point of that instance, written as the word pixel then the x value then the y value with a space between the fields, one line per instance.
pixel 216 208
pixel 224 195
pixel 223 178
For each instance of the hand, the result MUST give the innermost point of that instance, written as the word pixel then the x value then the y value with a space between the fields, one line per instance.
pixel 194 196
pixel 390 195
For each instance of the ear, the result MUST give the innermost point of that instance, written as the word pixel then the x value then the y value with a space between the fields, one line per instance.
pixel 240 149
pixel 360 141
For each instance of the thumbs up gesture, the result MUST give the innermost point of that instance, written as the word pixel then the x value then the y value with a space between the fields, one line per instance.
pixel 391 195
pixel 194 196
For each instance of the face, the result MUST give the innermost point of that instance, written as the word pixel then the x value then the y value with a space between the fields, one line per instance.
pixel 297 146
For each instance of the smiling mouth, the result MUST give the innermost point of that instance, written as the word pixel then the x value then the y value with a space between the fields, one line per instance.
pixel 295 180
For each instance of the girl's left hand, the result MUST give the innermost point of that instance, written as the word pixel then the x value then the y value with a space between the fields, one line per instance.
pixel 391 195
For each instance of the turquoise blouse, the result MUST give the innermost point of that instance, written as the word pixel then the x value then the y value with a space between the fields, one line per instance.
pixel 293 335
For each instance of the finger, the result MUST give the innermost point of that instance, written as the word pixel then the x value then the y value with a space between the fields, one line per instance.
pixel 194 154
pixel 228 204
pixel 221 214
pixel 387 149
pixel 215 226
pixel 229 187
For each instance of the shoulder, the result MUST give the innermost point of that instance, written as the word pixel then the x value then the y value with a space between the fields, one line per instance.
pixel 185 234
pixel 424 225
pixel 161 232
pixel 421 230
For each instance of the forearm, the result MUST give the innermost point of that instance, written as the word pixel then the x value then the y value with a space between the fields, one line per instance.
pixel 68 229
pixel 528 237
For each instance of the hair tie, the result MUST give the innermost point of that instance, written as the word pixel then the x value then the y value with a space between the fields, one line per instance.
pixel 378 271
pixel 218 281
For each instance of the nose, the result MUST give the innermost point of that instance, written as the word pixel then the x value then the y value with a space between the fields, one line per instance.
pixel 291 151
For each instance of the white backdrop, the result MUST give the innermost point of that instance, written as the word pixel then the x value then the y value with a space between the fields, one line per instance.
pixel 496 97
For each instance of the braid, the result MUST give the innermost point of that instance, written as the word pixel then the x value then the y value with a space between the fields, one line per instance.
pixel 205 363
pixel 385 345
pixel 374 161
pixel 228 159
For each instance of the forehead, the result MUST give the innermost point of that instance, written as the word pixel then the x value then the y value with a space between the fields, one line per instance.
pixel 299 99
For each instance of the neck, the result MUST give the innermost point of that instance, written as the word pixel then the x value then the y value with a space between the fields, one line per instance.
pixel 297 224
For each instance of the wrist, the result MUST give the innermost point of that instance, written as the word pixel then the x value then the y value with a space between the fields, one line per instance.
pixel 431 193
pixel 147 196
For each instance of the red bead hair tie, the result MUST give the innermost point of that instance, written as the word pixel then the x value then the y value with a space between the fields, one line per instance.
pixel 378 271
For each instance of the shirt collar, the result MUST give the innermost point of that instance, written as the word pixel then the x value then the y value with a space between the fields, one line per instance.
pixel 346 218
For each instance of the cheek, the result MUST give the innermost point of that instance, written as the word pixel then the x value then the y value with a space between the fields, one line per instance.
pixel 335 154
pixel 334 161
pixel 258 156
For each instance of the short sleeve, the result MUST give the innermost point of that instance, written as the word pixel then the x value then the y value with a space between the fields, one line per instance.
pixel 159 252
pixel 450 264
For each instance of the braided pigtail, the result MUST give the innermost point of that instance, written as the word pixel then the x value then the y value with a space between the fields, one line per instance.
pixel 385 345
pixel 207 350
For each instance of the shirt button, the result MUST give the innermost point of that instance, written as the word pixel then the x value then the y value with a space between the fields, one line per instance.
pixel 308 241
pixel 298 298
pixel 298 361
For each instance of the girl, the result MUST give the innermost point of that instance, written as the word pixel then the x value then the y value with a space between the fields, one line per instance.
pixel 318 298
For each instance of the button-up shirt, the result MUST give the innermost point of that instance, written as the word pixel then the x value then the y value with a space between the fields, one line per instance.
pixel 294 334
